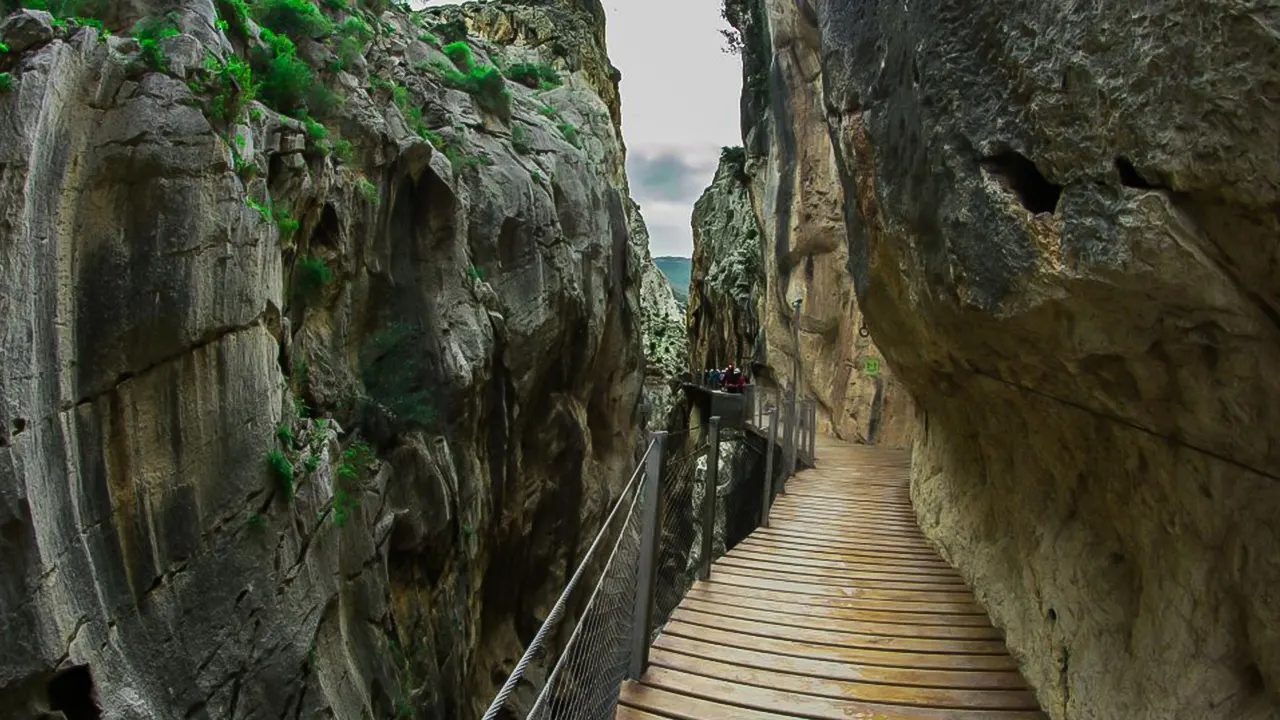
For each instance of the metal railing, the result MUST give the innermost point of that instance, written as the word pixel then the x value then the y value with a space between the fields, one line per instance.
pixel 649 540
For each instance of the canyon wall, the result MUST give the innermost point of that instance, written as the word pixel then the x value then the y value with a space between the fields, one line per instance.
pixel 792 180
pixel 304 415
pixel 1060 220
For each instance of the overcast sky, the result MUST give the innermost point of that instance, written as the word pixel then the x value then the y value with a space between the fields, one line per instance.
pixel 679 106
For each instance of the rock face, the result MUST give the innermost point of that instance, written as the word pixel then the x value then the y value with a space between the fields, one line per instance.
pixel 795 190
pixel 1061 223
pixel 304 422
pixel 666 347
pixel 727 279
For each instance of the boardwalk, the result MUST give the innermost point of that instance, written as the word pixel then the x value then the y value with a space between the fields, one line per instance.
pixel 839 609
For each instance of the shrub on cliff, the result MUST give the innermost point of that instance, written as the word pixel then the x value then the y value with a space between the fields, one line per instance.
pixel 286 79
pixel 534 75
pixel 296 18
pixel 486 84
pixel 6 82
pixel 150 32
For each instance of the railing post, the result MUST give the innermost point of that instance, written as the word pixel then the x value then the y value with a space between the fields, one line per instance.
pixel 813 431
pixel 749 406
pixel 771 438
pixel 650 531
pixel 789 431
pixel 709 483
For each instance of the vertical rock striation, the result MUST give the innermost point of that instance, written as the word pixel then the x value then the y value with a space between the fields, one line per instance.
pixel 795 190
pixel 304 417
pixel 1061 223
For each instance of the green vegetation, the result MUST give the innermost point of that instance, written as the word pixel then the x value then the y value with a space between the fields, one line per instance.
pixel 367 190
pixel 396 379
pixel 284 434
pixel 547 110
pixel 296 18
pixel 428 38
pixel 486 84
pixel 520 139
pixel 475 273
pixel 3 48
pixel 283 470
pixel 570 133
pixel 315 130
pixel 230 85
pixel 313 275
pixel 534 75
pixel 287 224
pixel 6 82
pixel 150 33
pixel 238 12
pixel 286 79
pixel 256 521
pixel 358 463
pixel 343 151
pixel 263 210
pixel 355 36
pixel 537 176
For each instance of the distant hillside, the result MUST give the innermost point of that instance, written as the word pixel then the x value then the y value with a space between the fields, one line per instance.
pixel 677 271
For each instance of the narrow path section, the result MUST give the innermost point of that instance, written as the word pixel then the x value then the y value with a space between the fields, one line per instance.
pixel 839 609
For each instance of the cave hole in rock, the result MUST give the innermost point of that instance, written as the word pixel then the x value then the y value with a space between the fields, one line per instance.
pixel 19 425
pixel 72 692
pixel 808 268
pixel 1130 177
pixel 1053 615
pixel 1020 175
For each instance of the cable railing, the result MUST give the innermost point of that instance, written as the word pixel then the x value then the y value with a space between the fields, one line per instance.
pixel 656 541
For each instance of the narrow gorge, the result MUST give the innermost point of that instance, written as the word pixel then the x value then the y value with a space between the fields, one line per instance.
pixel 332 335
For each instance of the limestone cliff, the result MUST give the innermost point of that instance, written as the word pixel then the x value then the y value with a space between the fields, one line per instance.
pixel 320 353
pixel 727 279
pixel 795 190
pixel 666 347
pixel 1061 223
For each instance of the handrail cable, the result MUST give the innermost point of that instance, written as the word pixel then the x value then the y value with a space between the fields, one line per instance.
pixel 557 611
pixel 555 671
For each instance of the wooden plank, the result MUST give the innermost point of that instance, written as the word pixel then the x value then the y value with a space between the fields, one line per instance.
pixel 798 532
pixel 876 623
pixel 793 677
pixel 741 557
pixel 829 562
pixel 795 537
pixel 854 657
pixel 931 615
pixel 832 667
pixel 907 598
pixel 630 713
pixel 773 571
pixel 862 633
pixel 888 520
pixel 843 513
pixel 853 521
pixel 668 704
pixel 809 706
pixel 913 538
pixel 758 543
pixel 869 649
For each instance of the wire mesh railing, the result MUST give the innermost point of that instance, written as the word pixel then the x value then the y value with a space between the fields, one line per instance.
pixel 586 676
pixel 661 535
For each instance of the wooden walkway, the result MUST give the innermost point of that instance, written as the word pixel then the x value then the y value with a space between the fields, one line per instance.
pixel 839 609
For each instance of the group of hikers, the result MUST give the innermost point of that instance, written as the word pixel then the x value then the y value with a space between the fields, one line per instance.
pixel 730 379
